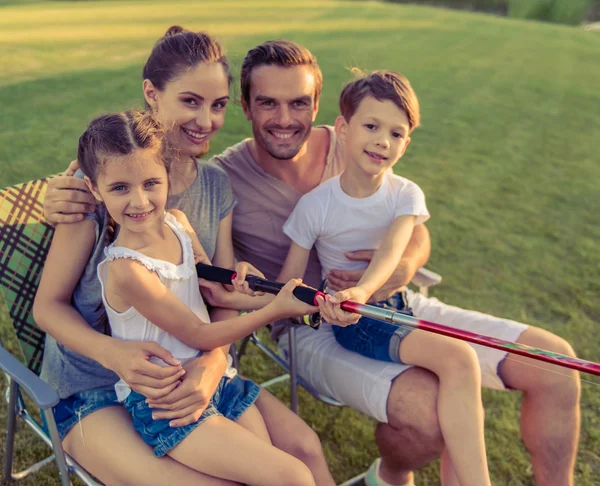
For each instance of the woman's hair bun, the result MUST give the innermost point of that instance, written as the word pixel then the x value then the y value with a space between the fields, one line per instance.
pixel 175 29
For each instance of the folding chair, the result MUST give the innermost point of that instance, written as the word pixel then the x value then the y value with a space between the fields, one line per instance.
pixel 24 243
pixel 423 279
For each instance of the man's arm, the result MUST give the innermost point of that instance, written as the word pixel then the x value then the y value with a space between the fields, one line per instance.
pixel 414 257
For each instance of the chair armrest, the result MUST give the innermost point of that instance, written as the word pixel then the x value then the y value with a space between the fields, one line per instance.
pixel 426 278
pixel 41 393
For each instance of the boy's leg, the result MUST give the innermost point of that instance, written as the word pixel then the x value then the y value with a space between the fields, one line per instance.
pixel 106 444
pixel 222 448
pixel 459 407
pixel 291 434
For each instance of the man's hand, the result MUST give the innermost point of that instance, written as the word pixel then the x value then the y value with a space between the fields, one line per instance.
pixel 345 279
pixel 67 198
pixel 185 404
pixel 131 361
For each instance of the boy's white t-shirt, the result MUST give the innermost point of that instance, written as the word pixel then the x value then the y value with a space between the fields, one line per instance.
pixel 336 223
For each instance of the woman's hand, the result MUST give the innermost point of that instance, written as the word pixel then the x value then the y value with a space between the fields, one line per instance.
pixel 131 361
pixel 185 404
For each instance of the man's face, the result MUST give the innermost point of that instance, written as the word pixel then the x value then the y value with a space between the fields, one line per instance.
pixel 282 108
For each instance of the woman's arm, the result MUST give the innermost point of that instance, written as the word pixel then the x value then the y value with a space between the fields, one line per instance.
pixel 69 253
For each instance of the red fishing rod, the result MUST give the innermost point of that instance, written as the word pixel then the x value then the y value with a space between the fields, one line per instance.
pixel 309 295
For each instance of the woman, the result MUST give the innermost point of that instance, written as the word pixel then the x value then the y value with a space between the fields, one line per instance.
pixel 186 84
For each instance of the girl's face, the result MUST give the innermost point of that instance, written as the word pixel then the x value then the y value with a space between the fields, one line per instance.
pixel 134 189
pixel 193 105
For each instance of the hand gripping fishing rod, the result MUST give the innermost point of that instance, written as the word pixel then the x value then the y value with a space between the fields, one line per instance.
pixel 309 295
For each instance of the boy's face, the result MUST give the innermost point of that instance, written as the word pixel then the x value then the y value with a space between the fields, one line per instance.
pixel 282 109
pixel 376 136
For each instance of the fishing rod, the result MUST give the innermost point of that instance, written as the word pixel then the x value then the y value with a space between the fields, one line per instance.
pixel 309 295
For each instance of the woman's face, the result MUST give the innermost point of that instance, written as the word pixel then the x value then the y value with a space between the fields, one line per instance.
pixel 192 105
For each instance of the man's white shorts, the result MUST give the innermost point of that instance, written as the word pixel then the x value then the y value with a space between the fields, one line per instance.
pixel 363 383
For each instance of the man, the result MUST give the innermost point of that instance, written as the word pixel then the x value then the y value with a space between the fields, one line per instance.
pixel 281 85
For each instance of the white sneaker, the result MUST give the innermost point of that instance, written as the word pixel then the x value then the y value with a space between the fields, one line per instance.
pixel 372 477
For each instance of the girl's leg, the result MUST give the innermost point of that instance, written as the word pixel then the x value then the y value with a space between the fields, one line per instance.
pixel 224 449
pixel 459 407
pixel 291 434
pixel 106 444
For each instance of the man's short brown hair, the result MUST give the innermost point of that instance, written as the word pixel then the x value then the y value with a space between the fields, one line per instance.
pixel 381 85
pixel 280 53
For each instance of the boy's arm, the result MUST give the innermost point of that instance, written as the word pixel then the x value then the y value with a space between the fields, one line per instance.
pixel 415 256
pixel 384 261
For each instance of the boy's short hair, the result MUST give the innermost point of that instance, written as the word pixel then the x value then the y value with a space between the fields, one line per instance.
pixel 381 85
pixel 280 53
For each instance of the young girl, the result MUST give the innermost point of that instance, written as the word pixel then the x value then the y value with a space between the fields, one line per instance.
pixel 150 292
pixel 369 207
pixel 186 87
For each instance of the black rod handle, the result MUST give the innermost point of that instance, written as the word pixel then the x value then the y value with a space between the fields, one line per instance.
pixel 308 295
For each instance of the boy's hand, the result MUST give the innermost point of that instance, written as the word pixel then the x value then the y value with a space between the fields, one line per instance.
pixel 287 305
pixel 242 269
pixel 332 312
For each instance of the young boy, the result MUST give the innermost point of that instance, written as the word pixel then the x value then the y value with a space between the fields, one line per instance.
pixel 369 207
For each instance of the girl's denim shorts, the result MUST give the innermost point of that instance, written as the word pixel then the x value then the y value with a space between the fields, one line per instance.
pixel 376 339
pixel 231 399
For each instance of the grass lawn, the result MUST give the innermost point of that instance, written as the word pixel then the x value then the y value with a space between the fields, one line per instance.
pixel 507 155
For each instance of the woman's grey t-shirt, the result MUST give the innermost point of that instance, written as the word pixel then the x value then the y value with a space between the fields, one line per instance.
pixel 206 202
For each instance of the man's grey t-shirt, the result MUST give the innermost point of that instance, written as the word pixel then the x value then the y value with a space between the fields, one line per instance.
pixel 264 204
pixel 206 202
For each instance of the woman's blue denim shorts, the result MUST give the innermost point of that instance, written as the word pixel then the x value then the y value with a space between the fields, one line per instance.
pixel 376 339
pixel 72 409
pixel 231 399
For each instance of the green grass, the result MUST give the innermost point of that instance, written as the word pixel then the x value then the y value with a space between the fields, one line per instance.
pixel 507 155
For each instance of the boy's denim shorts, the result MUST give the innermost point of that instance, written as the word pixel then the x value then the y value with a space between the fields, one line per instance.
pixel 377 339
pixel 70 410
pixel 231 399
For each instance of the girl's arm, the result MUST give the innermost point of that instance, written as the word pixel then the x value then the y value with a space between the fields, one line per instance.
pixel 142 289
pixel 52 310
pixel 384 262
pixel 293 267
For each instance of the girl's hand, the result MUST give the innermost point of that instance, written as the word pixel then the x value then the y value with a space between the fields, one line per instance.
pixel 287 305
pixel 131 361
pixel 215 294
pixel 242 269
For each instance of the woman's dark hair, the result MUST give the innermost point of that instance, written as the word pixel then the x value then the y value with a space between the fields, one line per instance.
pixel 179 50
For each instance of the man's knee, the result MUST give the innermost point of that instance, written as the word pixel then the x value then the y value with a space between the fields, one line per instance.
pixel 412 409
